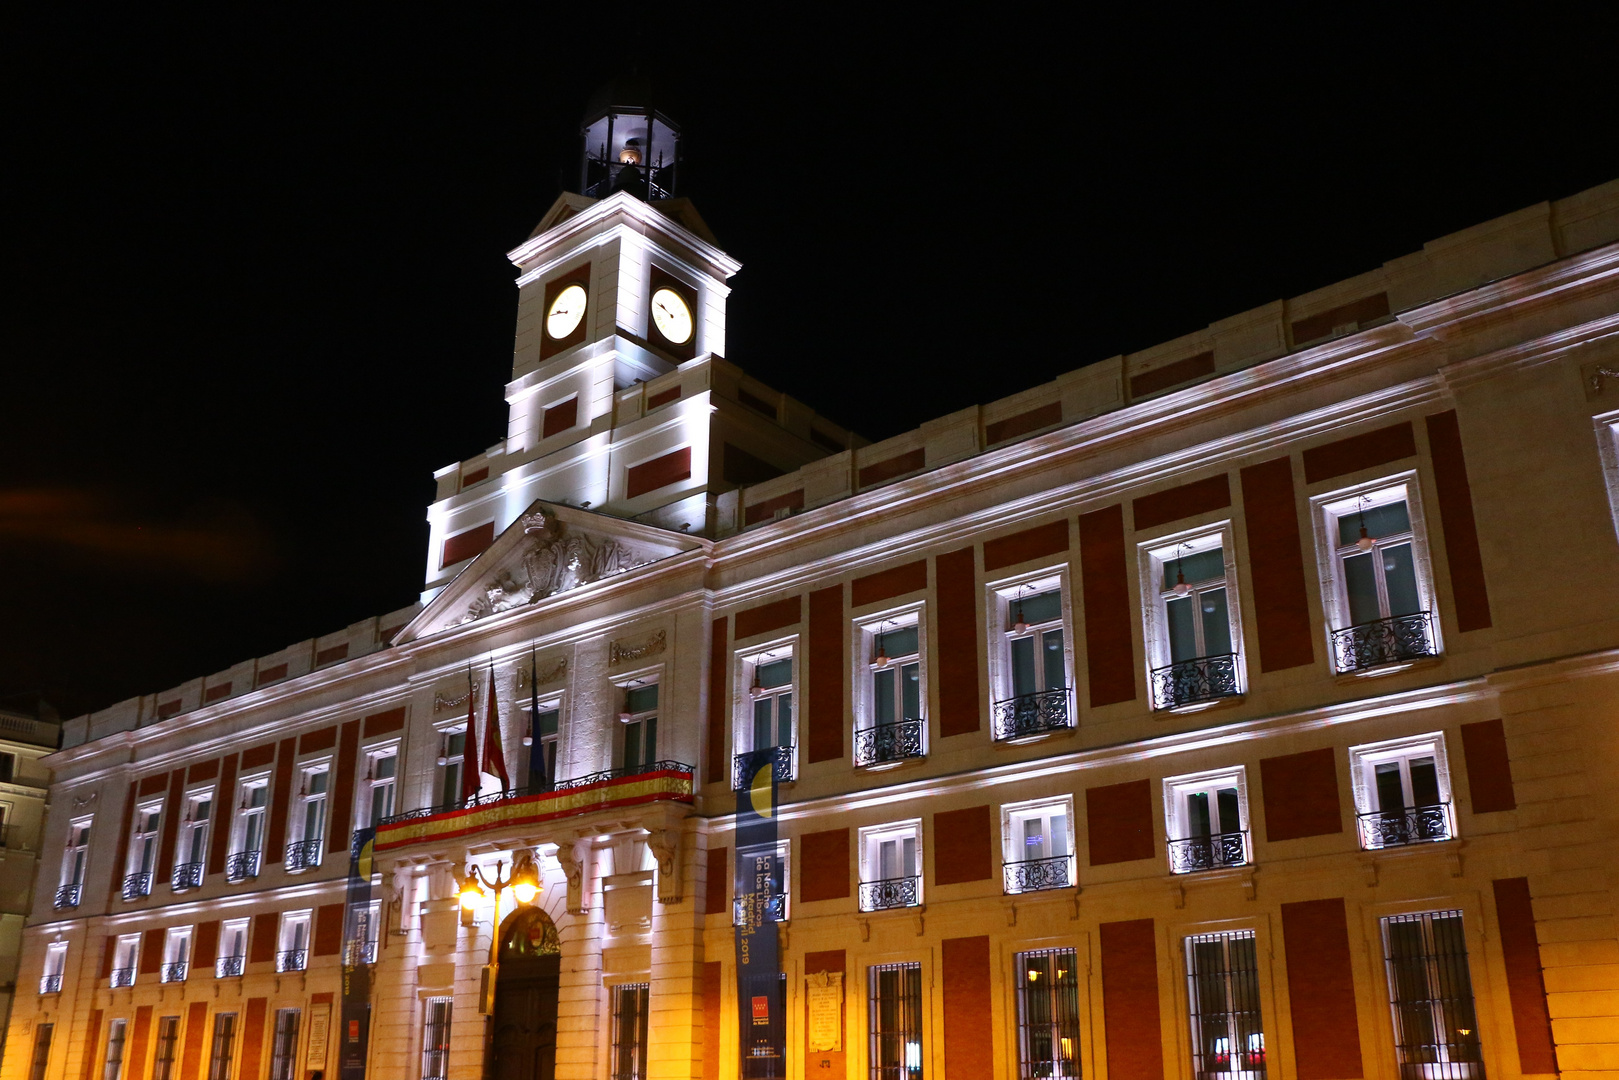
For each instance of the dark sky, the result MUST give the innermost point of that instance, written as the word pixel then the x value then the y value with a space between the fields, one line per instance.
pixel 258 287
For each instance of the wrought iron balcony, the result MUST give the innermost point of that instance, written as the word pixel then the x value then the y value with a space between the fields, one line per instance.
pixel 1033 875
pixel 303 854
pixel 123 977
pixel 226 966
pixel 1191 682
pixel 50 984
pixel 68 896
pixel 885 743
pixel 899 892
pixel 1213 852
pixel 1412 825
pixel 1384 641
pixel 743 766
pixel 175 972
pixel 242 865
pixel 291 959
pixel 537 791
pixel 1028 715
pixel 137 885
pixel 359 954
pixel 775 905
pixel 186 876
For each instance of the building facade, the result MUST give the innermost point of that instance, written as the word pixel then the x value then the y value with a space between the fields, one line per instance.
pixel 25 739
pixel 1241 707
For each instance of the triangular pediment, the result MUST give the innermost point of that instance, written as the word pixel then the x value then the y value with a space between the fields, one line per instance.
pixel 567 205
pixel 548 551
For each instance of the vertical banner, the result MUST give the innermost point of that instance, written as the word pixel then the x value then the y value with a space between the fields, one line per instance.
pixel 762 1014
pixel 353 1036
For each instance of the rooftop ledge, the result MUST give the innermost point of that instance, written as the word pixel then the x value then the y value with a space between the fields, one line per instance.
pixel 663 781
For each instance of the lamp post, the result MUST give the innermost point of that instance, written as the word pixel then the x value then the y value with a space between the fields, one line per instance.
pixel 524 881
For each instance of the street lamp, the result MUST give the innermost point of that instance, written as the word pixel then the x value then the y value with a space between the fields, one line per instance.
pixel 524 881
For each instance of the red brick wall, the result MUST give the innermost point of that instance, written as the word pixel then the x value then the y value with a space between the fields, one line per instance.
pixel 719 696
pixel 1109 648
pixel 1358 452
pixel 1468 591
pixel 1526 982
pixel 767 617
pixel 659 472
pixel 959 658
pixel 1198 497
pixel 887 584
pixel 1020 547
pixel 826 684
pixel 1276 566
pixel 1321 990
pixel 1489 768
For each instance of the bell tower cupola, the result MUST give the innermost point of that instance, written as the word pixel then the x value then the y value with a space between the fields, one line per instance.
pixel 629 145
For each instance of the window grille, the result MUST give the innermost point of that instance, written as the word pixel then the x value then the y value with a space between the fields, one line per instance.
pixel 1431 997
pixel 42 1051
pixel 436 1039
pixel 1048 1014
pixel 113 1067
pixel 223 1055
pixel 1222 994
pixel 168 1038
pixel 629 1031
pixel 284 1049
pixel 895 1019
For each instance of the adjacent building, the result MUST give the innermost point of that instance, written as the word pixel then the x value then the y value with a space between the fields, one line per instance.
pixel 1239 707
pixel 25 739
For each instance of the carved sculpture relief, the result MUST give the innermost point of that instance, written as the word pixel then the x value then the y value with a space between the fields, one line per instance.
pixel 652 645
pixel 665 845
pixel 447 700
pixel 574 859
pixel 555 560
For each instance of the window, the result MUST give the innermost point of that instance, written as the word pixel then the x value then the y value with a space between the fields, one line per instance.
pixel 1222 996
pixel 244 861
pixel 50 979
pixel 42 1051
pixel 1402 791
pixel 176 954
pixel 1048 1013
pixel 1030 667
pixel 543 740
pixel 223 1054
pixel 293 951
pixel 1431 996
pixel 891 866
pixel 309 819
pixel 894 1012
pixel 284 1045
pixel 630 1045
pixel 1192 626
pixel 232 948
pixel 360 943
pixel 1038 846
pixel 1377 585
pixel 381 780
pixel 1607 431
pixel 168 1038
pixel 142 851
pixel 8 768
pixel 889 725
pixel 192 854
pixel 638 726
pixel 113 1067
pixel 71 890
pixel 774 865
pixel 1207 819
pixel 126 955
pixel 452 748
pixel 764 728
pixel 436 1039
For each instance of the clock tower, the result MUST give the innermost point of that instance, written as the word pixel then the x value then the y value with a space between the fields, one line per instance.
pixel 620 401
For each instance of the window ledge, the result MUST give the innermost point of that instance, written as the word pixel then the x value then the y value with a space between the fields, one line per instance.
pixel 1199 706
pixel 1350 678
pixel 1030 740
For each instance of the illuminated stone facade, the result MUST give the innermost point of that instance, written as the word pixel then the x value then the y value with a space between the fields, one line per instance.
pixel 1264 677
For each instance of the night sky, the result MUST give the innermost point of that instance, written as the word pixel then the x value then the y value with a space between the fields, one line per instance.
pixel 258 289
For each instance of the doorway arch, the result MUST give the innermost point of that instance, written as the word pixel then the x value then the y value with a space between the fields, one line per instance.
pixel 526 991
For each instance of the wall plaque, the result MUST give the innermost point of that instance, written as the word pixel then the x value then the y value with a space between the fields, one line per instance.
pixel 825 994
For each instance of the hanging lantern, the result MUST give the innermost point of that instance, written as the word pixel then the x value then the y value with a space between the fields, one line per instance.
pixel 1181 588
pixel 755 690
pixel 443 753
pixel 1365 542
pixel 1019 624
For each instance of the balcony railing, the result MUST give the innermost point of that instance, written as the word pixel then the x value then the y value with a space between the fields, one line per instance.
pixel 1033 875
pixel 291 959
pixel 123 977
pixel 743 766
pixel 1384 641
pixel 1412 825
pixel 303 854
pixel 1028 715
pixel 175 972
pixel 360 954
pixel 226 966
pixel 186 876
pixel 775 905
pixel 242 865
pixel 494 798
pixel 885 743
pixel 1191 682
pixel 68 896
pixel 1213 852
pixel 137 885
pixel 50 984
pixel 899 892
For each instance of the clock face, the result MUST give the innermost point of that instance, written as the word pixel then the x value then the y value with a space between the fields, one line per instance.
pixel 671 316
pixel 566 311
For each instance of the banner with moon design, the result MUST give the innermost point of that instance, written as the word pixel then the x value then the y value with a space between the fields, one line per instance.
pixel 760 990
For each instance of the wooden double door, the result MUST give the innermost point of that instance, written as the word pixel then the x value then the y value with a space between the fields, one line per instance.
pixel 525 1037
